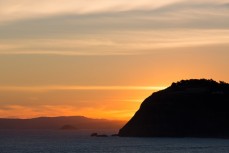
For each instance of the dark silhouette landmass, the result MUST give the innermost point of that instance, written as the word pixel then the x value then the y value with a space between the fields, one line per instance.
pixel 77 122
pixel 189 108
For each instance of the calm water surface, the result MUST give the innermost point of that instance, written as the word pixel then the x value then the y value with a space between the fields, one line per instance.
pixel 57 141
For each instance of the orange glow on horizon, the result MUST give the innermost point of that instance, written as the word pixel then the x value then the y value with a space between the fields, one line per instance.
pixel 24 112
pixel 111 105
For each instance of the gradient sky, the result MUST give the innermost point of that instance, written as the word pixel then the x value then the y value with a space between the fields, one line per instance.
pixel 102 58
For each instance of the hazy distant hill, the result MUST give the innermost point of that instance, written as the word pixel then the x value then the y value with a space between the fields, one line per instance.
pixel 189 108
pixel 78 122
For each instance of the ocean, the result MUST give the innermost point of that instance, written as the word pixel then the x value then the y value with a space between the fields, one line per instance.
pixel 79 141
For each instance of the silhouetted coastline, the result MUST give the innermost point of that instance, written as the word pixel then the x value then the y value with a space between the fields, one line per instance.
pixel 62 122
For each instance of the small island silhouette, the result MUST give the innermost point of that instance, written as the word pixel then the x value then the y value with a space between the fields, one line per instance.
pixel 188 108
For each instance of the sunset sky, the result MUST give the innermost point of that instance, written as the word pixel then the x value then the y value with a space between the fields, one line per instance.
pixel 102 58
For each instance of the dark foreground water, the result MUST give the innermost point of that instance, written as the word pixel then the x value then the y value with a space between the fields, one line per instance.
pixel 33 141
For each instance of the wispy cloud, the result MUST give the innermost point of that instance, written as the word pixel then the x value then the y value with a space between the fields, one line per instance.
pixel 11 10
pixel 125 43
pixel 121 27
pixel 55 88
pixel 22 9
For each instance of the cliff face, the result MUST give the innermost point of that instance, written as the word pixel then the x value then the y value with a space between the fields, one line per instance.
pixel 189 108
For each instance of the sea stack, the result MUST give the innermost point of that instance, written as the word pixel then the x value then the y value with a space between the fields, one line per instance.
pixel 188 108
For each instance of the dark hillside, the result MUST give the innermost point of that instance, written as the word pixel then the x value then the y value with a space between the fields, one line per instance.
pixel 189 108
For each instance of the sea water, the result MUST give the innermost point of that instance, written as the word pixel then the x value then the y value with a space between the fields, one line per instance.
pixel 79 141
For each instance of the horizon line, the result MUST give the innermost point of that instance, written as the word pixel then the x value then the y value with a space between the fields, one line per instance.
pixel 29 118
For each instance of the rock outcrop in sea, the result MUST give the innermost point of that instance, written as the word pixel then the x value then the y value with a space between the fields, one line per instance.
pixel 189 108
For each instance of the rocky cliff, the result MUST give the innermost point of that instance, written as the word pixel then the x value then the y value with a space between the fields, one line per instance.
pixel 189 108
